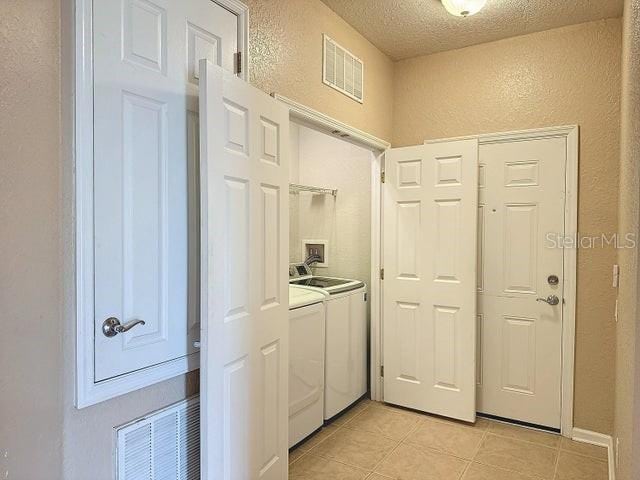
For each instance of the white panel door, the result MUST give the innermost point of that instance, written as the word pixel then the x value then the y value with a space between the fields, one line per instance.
pixel 521 203
pixel 429 288
pixel 146 55
pixel 245 253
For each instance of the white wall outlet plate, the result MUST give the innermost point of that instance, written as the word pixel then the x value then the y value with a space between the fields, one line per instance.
pixel 316 247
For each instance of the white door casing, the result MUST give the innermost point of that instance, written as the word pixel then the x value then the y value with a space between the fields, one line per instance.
pixel 522 199
pixel 146 56
pixel 244 161
pixel 429 288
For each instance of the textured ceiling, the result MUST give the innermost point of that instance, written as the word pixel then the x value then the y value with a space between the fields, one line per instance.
pixel 408 28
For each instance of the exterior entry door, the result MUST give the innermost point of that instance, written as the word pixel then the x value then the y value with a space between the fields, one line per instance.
pixel 244 165
pixel 520 279
pixel 146 55
pixel 429 288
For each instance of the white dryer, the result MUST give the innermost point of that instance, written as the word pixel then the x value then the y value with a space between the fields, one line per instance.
pixel 306 362
pixel 345 337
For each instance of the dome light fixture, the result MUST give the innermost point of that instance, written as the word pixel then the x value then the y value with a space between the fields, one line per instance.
pixel 463 8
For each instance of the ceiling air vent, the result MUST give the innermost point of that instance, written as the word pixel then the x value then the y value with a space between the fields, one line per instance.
pixel 343 70
pixel 164 445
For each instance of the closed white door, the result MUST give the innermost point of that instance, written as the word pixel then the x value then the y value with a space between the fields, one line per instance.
pixel 429 288
pixel 521 214
pixel 146 56
pixel 245 279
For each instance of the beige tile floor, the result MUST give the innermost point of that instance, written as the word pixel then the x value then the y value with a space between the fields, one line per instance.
pixel 374 441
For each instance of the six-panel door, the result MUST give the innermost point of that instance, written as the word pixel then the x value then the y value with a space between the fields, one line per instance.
pixel 245 304
pixel 146 55
pixel 521 235
pixel 429 259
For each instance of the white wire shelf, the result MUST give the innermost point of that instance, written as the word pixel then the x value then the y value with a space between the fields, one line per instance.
pixel 296 188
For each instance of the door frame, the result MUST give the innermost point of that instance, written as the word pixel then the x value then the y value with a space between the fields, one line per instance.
pixel 571 134
pixel 77 202
pixel 319 121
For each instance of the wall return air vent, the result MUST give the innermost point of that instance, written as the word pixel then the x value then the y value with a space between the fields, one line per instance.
pixel 342 70
pixel 164 445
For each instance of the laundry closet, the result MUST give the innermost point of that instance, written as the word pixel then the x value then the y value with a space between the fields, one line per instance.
pixel 330 270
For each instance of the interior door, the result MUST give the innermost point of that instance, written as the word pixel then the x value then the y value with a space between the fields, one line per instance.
pixel 146 56
pixel 244 162
pixel 429 288
pixel 521 217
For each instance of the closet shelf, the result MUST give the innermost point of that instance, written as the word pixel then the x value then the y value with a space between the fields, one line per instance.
pixel 296 188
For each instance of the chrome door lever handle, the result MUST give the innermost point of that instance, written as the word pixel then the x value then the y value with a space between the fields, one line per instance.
pixel 112 326
pixel 551 300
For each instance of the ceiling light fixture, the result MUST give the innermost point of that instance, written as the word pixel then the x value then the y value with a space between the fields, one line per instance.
pixel 463 8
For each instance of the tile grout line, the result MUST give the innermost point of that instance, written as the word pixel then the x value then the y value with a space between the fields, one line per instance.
pixel 522 440
pixel 555 469
pixel 364 470
pixel 584 455
pixel 505 469
pixel 413 429
pixel 306 451
pixel 484 435
pixel 339 426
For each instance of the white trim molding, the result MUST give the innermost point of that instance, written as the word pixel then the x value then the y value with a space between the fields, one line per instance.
pixel 600 440
pixel 375 327
pixel 80 59
pixel 315 119
pixel 571 134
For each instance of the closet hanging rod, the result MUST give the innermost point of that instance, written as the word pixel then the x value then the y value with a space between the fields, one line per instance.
pixel 295 188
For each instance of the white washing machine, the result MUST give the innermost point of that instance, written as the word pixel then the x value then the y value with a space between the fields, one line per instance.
pixel 306 362
pixel 345 375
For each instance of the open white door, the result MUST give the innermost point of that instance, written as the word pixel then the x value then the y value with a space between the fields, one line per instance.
pixel 244 175
pixel 429 289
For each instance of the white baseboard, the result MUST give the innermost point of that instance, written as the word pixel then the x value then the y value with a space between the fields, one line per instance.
pixel 600 439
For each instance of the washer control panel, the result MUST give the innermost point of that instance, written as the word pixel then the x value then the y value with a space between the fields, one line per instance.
pixel 299 270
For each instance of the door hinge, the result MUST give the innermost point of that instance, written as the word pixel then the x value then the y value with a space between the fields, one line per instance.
pixel 365 296
pixel 382 371
pixel 382 274
pixel 382 176
pixel 238 62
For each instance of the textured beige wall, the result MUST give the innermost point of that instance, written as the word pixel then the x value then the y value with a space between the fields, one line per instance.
pixel 286 58
pixel 564 76
pixel 30 293
pixel 627 411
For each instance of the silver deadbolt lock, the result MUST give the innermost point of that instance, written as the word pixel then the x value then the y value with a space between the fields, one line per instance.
pixel 112 326
pixel 553 280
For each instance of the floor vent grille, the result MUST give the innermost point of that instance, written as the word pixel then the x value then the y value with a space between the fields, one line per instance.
pixel 164 445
